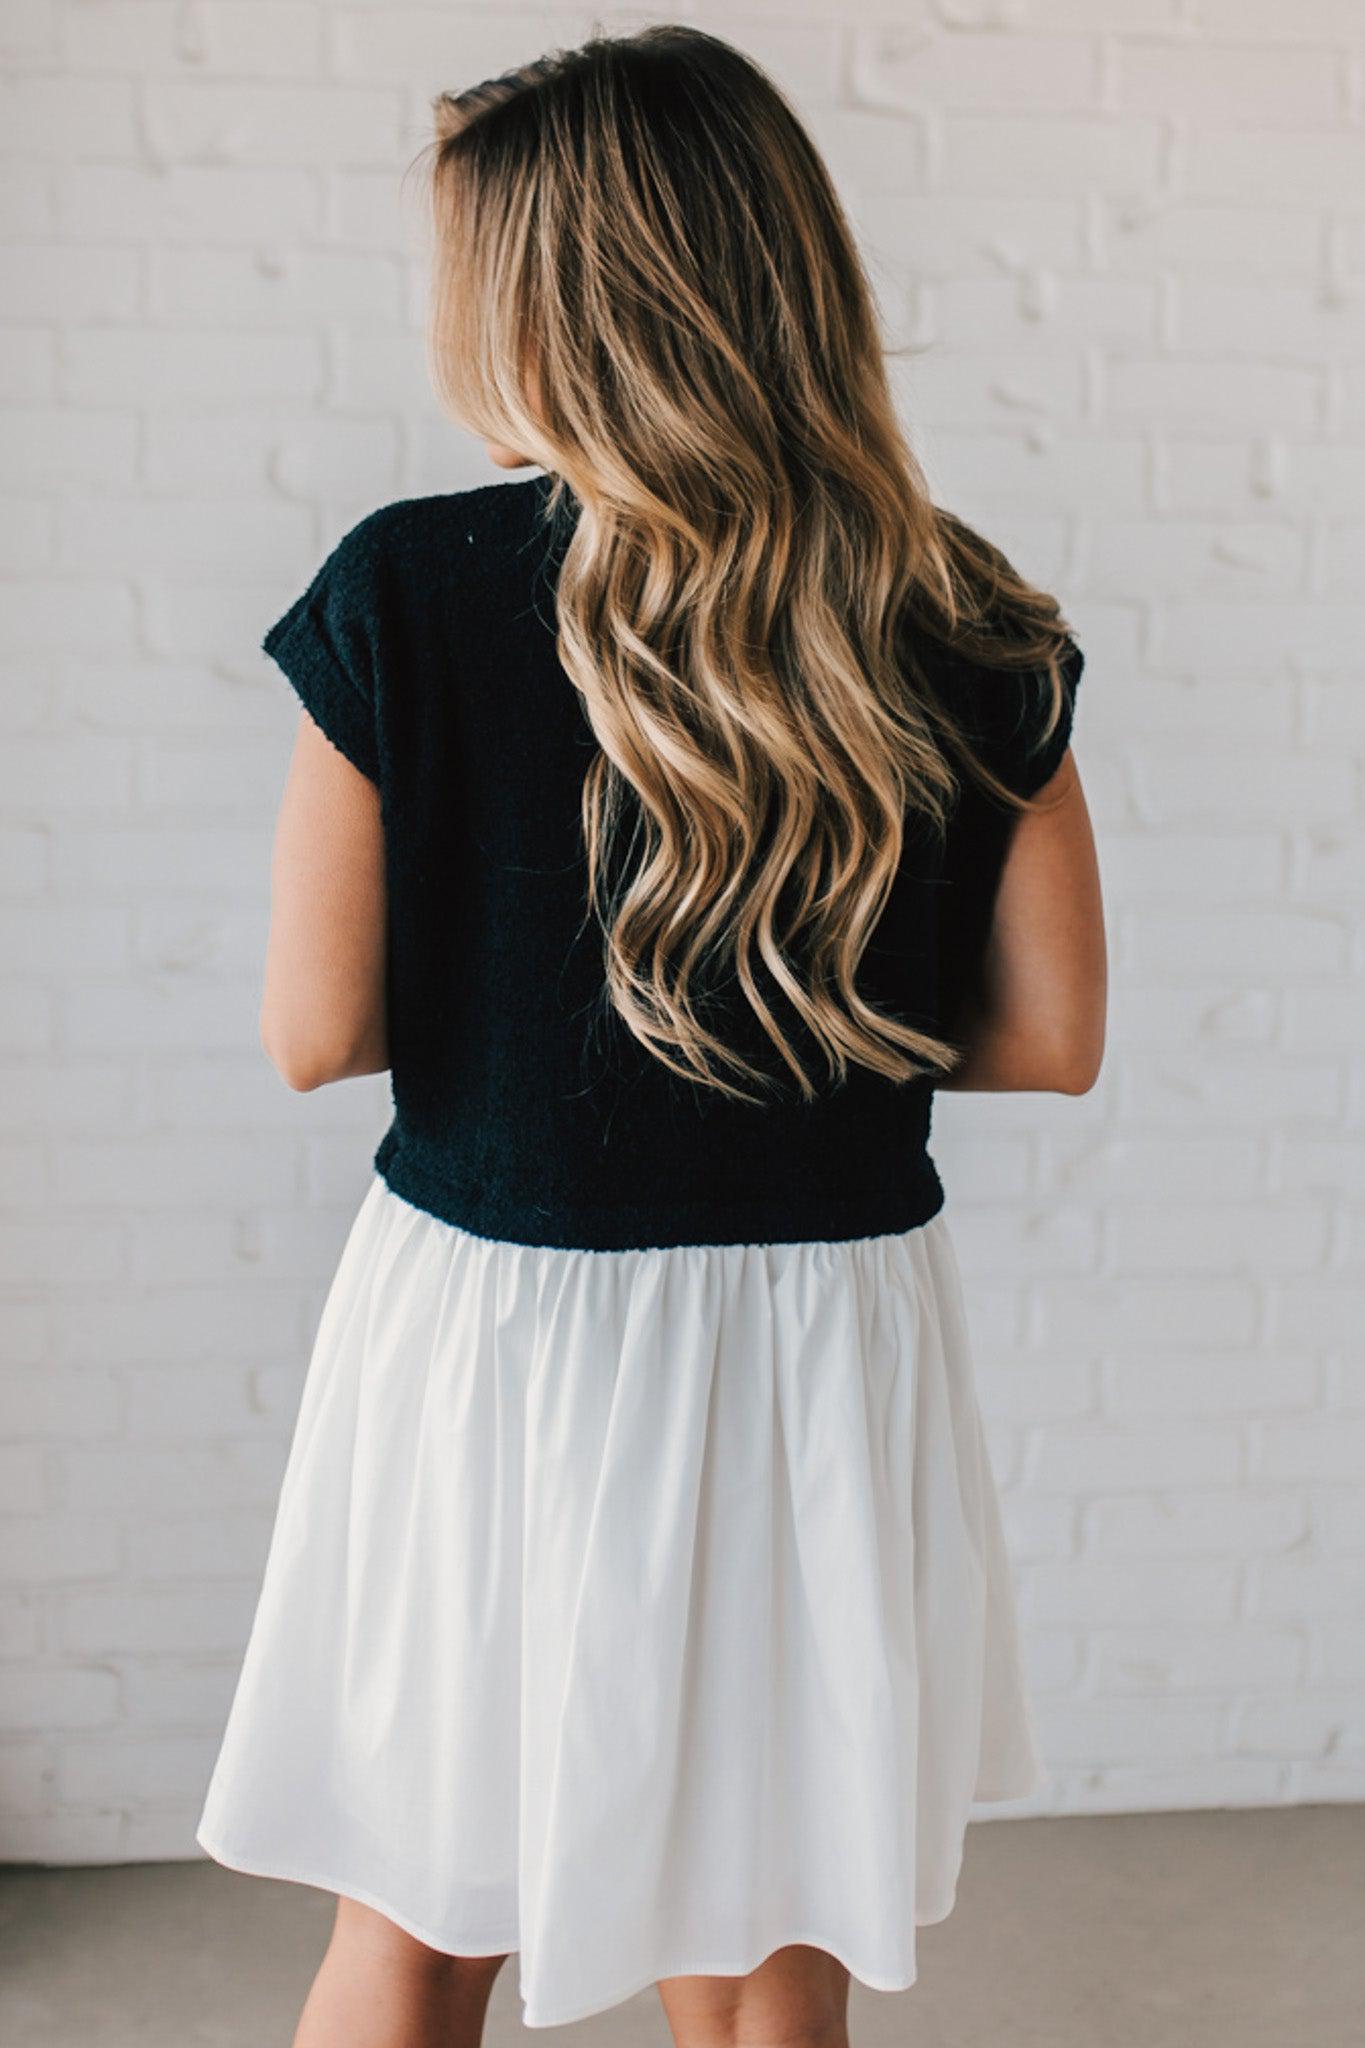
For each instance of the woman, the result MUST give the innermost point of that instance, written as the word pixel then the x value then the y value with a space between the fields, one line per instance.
pixel 670 826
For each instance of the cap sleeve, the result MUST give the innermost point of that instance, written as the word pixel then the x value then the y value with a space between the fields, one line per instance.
pixel 324 646
pixel 1004 716
pixel 1013 710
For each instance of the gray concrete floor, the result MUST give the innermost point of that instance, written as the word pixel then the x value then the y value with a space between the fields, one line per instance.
pixel 1192 1930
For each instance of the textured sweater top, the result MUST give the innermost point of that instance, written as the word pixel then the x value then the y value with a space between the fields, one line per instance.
pixel 523 1108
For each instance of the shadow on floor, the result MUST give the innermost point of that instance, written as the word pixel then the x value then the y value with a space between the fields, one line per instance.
pixel 1183 1930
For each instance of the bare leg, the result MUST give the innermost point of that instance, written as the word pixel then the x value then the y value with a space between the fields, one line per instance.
pixel 378 1987
pixel 796 1998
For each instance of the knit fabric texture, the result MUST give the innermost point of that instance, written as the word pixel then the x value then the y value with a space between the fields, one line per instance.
pixel 523 1108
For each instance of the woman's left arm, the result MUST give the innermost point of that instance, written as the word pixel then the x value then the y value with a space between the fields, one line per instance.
pixel 323 1008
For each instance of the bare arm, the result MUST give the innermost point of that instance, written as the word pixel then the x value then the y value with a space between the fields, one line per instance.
pixel 1035 1016
pixel 322 1014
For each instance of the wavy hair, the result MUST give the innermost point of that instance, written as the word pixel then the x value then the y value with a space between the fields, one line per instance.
pixel 644 282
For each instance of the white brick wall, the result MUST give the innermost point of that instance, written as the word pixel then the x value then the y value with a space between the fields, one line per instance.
pixel 1126 239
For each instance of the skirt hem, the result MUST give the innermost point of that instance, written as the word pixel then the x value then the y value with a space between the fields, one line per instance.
pixel 486 1945
pixel 279 1872
pixel 603 2002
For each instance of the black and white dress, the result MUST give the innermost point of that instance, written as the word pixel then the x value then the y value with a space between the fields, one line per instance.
pixel 637 1599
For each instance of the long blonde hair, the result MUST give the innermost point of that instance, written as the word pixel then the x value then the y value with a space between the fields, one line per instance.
pixel 644 281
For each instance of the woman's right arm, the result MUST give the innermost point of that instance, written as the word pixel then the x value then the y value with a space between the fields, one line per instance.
pixel 1033 1016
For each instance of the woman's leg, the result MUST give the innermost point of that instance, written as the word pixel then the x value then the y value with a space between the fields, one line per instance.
pixel 378 1987
pixel 796 1998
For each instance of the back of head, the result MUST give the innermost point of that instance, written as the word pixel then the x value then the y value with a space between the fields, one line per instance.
pixel 646 283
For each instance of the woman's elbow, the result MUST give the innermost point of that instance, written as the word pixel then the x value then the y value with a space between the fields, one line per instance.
pixel 302 1078
pixel 299 1065
pixel 306 1058
pixel 1077 1064
pixel 299 1056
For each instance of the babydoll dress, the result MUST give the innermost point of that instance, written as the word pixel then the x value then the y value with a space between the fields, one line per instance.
pixel 637 1599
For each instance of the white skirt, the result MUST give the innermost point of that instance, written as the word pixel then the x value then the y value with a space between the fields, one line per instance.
pixel 638 1612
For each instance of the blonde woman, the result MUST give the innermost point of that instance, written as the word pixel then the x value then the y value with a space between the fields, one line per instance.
pixel 670 825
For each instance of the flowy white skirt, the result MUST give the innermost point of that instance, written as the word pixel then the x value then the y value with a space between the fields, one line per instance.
pixel 638 1612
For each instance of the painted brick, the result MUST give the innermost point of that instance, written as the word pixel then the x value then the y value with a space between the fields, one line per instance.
pixel 217 120
pixel 29 29
pixel 48 1698
pixel 180 1324
pixel 45 938
pixel 1092 1592
pixel 24 1483
pixel 48 616
pixel 204 776
pixel 140 367
pixel 149 1481
pixel 1252 788
pixel 39 1549
pixel 1113 234
pixel 1041 312
pixel 167 539
pixel 1091 1732
pixel 1229 1782
pixel 159 1016
pixel 228 288
pixel 227 1545
pixel 1196 393
pixel 1250 87
pixel 1170 1310
pixel 198 204
pixel 40 446
pixel 76 1838
pixel 1078 1457
pixel 1049 157
pixel 1186 237
pixel 1216 1524
pixel 169 860
pixel 135 1773
pixel 133 1172
pixel 144 696
pixel 45 1403
pixel 906 68
pixel 1249 167
pixel 1205 1383
pixel 175 939
pixel 47 1253
pixel 177 1621
pixel 1307 1589
pixel 40 282
pixel 1329 1449
pixel 1315 1726
pixel 27 363
pixel 1260 945
pixel 1143 866
pixel 1191 1237
pixel 158 35
pixel 1206 1660
pixel 53 116
pixel 166 1694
